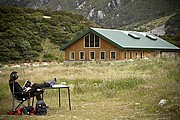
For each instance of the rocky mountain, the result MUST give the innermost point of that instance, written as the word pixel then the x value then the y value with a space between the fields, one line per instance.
pixel 108 13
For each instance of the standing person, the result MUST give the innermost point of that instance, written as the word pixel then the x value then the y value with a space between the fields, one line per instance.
pixel 32 89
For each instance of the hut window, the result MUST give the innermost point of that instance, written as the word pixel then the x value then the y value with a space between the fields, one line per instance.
pixel 91 40
pixel 112 55
pixel 87 41
pixel 96 41
pixel 151 37
pixel 92 55
pixel 141 55
pixel 102 55
pixel 82 55
pixel 134 35
pixel 136 54
pixel 125 55
pixel 72 55
pixel 130 55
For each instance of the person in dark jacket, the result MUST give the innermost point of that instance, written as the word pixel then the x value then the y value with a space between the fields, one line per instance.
pixel 28 90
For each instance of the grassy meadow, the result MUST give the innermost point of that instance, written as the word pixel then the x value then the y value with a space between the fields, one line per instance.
pixel 116 90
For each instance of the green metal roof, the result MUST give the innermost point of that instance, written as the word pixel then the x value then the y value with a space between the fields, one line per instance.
pixel 127 39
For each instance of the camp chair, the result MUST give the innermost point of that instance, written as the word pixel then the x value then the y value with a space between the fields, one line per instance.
pixel 22 97
pixel 20 100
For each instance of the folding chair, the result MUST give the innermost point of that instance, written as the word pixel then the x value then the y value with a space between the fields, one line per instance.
pixel 20 100
pixel 22 97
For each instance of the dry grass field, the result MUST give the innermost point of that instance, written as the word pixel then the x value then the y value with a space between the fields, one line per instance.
pixel 116 90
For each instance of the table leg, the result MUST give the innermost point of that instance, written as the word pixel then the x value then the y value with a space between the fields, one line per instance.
pixel 69 99
pixel 59 98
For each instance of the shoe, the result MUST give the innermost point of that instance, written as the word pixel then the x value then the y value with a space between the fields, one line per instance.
pixel 47 84
pixel 11 112
pixel 52 82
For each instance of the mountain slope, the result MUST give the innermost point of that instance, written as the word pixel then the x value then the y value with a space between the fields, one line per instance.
pixel 108 13
pixel 142 11
pixel 173 25
pixel 23 31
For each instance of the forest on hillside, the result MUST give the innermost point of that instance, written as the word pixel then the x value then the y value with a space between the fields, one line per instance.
pixel 172 29
pixel 23 30
pixel 27 34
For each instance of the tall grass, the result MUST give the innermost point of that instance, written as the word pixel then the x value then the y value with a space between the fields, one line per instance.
pixel 106 90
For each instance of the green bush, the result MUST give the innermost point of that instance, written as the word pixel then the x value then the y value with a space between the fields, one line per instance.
pixel 48 57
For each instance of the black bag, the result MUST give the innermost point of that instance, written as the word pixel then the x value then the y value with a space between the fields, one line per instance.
pixel 28 110
pixel 41 108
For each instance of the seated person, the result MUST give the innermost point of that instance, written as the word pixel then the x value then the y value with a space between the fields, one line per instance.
pixel 30 88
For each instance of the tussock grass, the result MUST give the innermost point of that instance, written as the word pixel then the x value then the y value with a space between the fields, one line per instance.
pixel 104 90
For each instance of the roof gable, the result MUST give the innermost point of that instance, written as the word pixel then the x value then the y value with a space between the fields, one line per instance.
pixel 127 39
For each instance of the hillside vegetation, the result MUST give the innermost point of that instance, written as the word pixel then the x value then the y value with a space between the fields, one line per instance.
pixel 141 12
pixel 27 34
pixel 104 90
pixel 23 32
pixel 107 13
pixel 172 29
pixel 173 25
pixel 145 27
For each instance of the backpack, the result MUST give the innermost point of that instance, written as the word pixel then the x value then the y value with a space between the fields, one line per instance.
pixel 41 108
pixel 28 110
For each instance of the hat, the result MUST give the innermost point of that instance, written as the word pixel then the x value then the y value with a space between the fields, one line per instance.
pixel 14 75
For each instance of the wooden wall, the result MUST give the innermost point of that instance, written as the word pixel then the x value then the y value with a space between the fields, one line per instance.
pixel 106 47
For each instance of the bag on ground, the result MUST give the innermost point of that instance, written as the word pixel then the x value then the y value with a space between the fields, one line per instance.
pixel 41 108
pixel 28 110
